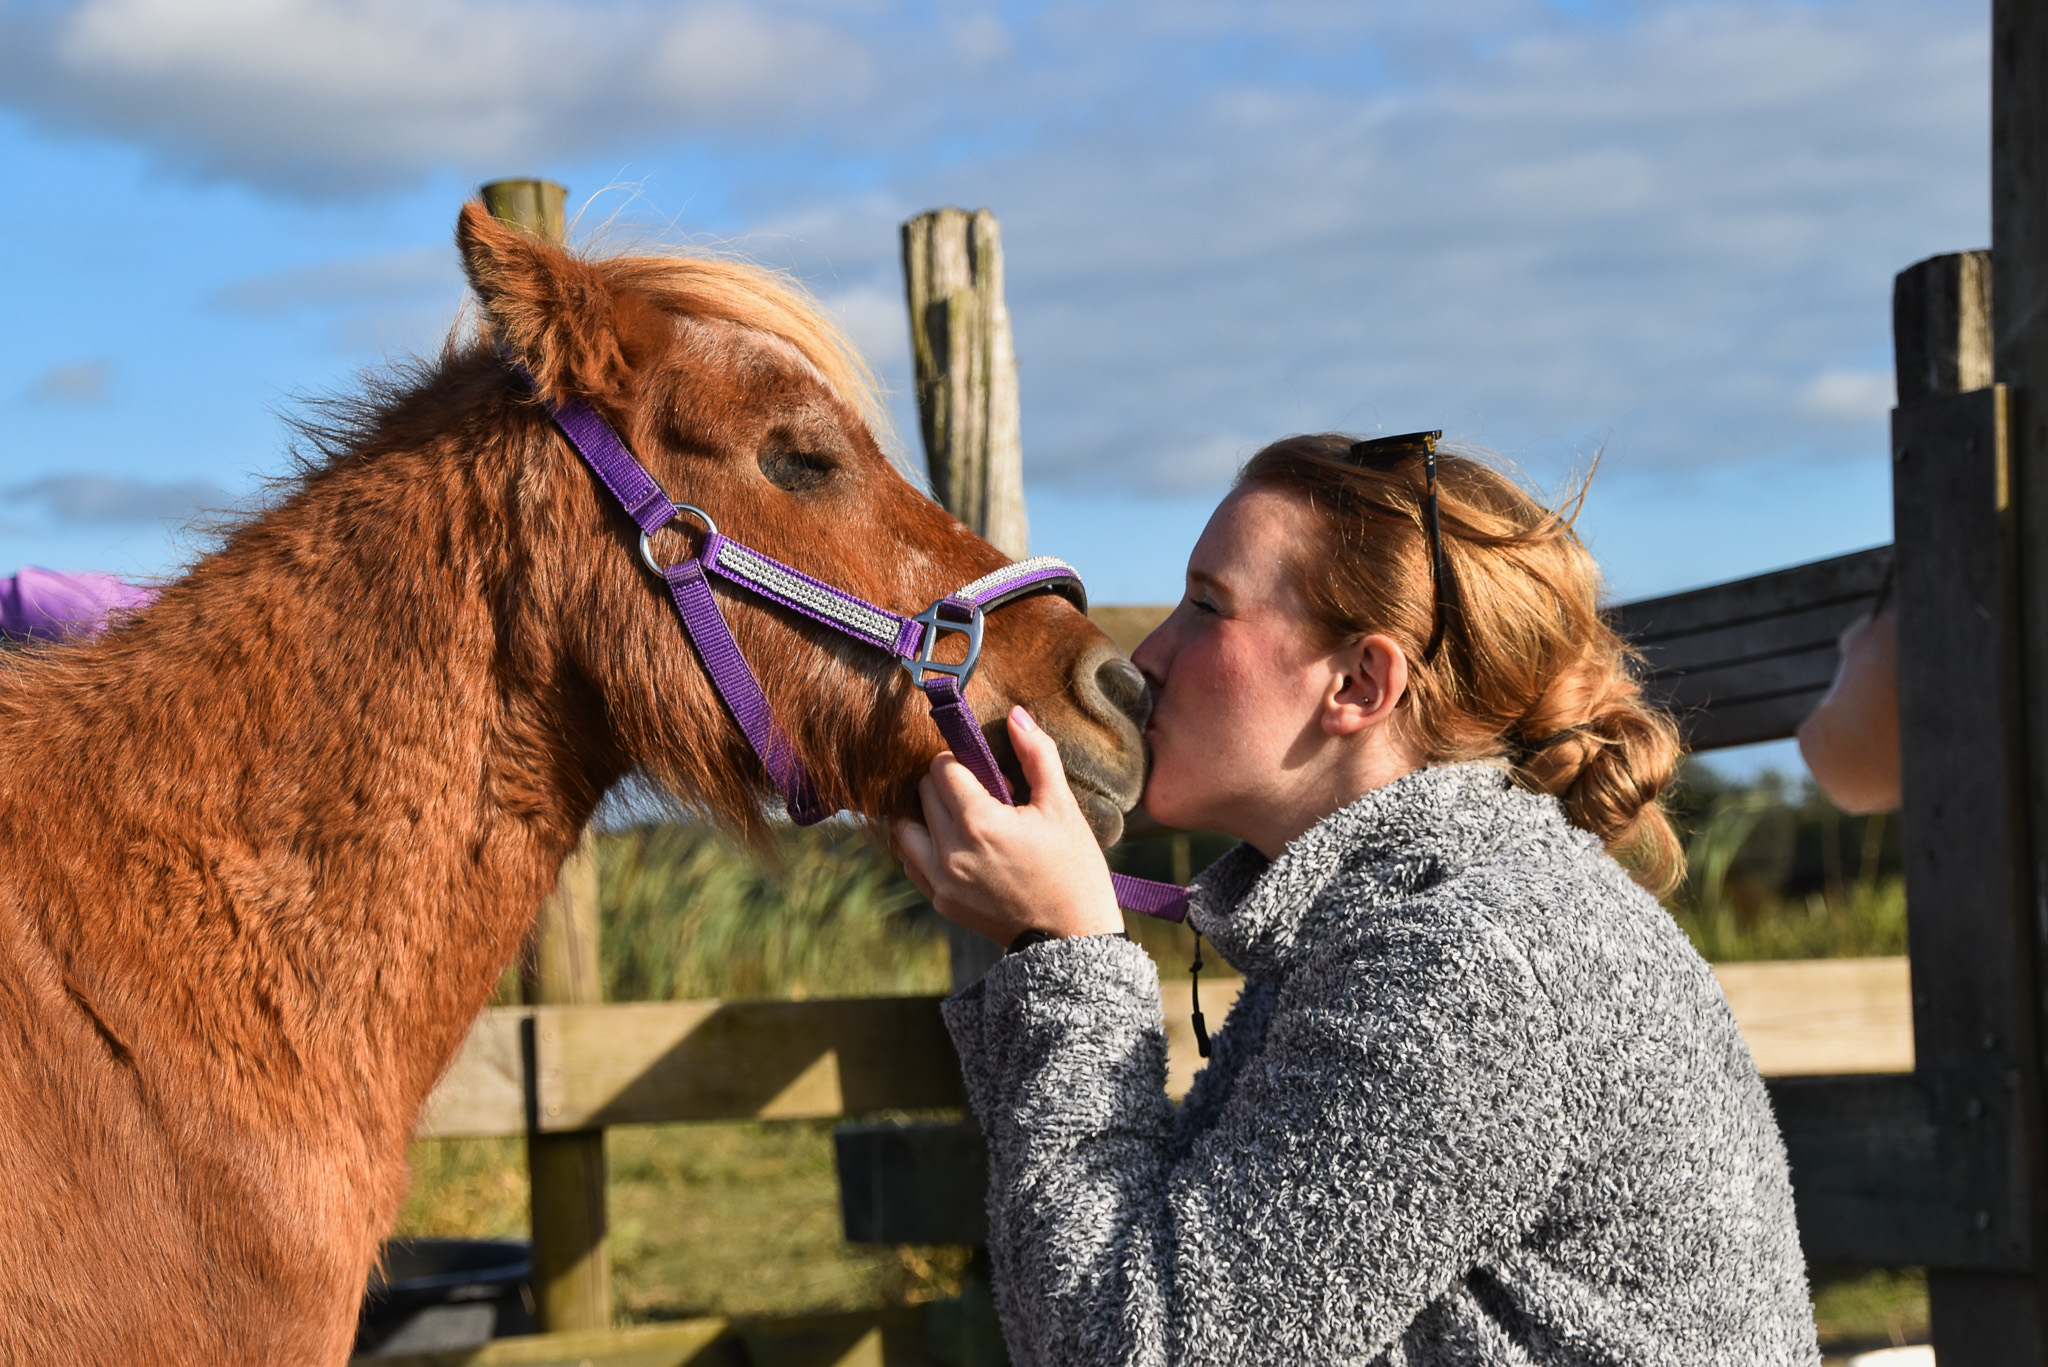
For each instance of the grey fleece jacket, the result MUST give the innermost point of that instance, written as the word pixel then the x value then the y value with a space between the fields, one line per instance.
pixel 1479 1102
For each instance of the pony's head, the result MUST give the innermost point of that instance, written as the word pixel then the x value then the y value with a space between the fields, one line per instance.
pixel 743 400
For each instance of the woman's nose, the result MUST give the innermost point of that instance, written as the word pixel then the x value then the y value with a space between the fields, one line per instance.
pixel 1152 655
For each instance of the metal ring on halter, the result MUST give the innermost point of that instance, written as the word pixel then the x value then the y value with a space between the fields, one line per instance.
pixel 647 541
pixel 934 625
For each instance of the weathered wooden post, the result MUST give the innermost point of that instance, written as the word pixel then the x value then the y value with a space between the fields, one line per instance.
pixel 966 375
pixel 2004 1319
pixel 966 371
pixel 1962 723
pixel 572 1271
pixel 535 205
pixel 572 1265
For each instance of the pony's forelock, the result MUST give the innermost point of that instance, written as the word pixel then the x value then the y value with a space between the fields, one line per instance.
pixel 768 301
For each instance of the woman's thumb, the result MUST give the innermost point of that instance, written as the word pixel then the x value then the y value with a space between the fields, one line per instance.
pixel 1038 755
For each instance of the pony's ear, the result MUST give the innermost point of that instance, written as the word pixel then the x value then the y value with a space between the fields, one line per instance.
pixel 578 332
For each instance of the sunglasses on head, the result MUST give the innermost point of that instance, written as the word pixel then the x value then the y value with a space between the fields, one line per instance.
pixel 1385 453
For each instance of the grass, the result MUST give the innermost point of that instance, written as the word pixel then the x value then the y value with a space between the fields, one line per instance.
pixel 705 1220
pixel 1860 1308
pixel 688 915
pixel 1857 921
pixel 736 1219
pixel 744 1219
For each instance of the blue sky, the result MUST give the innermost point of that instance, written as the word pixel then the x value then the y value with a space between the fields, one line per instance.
pixel 1661 231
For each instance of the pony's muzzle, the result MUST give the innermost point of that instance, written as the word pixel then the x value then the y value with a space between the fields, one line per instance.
pixel 1105 762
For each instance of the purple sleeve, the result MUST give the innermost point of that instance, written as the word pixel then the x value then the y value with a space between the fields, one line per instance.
pixel 46 605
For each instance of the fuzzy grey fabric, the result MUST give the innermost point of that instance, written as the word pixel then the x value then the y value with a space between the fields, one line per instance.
pixel 1479 1102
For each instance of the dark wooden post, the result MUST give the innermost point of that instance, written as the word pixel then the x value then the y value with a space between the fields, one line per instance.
pixel 1985 1319
pixel 967 409
pixel 571 1254
pixel 1941 326
pixel 1962 724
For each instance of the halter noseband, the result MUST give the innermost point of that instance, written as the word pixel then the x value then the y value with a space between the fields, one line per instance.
pixel 910 640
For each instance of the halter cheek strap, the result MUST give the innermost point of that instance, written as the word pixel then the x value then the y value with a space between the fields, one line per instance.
pixel 912 641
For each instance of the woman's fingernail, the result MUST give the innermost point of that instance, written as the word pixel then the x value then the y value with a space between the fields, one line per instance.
pixel 1023 718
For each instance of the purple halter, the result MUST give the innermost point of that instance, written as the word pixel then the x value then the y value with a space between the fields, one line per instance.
pixel 910 640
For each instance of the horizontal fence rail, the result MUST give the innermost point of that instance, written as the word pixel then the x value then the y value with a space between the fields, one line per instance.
pixel 568 1068
pixel 1886 1169
pixel 1746 662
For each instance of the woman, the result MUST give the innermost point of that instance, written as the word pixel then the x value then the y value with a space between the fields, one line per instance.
pixel 1479 1100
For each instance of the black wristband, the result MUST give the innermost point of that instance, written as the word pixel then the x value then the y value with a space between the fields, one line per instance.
pixel 1026 939
pixel 1035 936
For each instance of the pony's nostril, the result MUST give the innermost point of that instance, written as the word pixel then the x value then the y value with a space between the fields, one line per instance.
pixel 1120 684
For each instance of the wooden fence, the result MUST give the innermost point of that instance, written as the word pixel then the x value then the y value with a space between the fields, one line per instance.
pixel 1929 1156
pixel 1906 1110
pixel 1875 1174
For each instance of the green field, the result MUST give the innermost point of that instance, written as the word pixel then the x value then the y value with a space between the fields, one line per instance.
pixel 744 1219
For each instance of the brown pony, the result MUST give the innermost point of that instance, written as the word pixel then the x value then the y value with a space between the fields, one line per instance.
pixel 272 839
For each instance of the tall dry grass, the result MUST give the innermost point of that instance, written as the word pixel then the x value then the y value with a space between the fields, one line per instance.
pixel 687 914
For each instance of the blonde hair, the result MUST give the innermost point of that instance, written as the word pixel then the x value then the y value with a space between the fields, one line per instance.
pixel 1528 671
pixel 767 301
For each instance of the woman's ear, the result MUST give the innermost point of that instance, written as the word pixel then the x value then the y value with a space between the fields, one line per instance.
pixel 578 333
pixel 1367 685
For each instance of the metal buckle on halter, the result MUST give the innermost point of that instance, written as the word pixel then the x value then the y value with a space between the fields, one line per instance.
pixel 647 538
pixel 934 625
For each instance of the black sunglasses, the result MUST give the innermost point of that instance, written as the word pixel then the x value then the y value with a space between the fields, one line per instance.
pixel 1384 453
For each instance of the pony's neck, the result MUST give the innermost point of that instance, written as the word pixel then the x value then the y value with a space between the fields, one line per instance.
pixel 350 755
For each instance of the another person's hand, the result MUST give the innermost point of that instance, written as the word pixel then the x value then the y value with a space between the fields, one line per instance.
pixel 1851 740
pixel 1003 870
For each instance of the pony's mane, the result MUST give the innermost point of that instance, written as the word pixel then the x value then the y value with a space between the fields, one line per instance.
pixel 328 428
pixel 767 301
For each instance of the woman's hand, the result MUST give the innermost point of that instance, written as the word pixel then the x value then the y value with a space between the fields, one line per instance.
pixel 1003 870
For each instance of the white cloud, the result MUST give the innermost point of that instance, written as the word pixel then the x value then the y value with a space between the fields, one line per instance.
pixel 395 303
pixel 1853 396
pixel 74 382
pixel 1224 220
pixel 108 499
pixel 405 276
pixel 1651 233
pixel 329 97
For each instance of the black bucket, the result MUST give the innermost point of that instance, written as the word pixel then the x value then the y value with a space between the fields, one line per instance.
pixel 435 1294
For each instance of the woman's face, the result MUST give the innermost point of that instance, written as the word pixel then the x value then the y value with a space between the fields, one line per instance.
pixel 1239 677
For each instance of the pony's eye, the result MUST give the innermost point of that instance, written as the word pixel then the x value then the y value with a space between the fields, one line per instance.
pixel 797 472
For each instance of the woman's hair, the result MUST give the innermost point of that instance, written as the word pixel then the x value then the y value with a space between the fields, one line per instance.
pixel 1528 670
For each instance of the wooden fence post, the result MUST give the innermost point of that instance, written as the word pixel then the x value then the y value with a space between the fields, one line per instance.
pixel 1941 326
pixel 967 409
pixel 2019 309
pixel 571 1254
pixel 535 205
pixel 1962 722
pixel 966 371
pixel 572 1265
